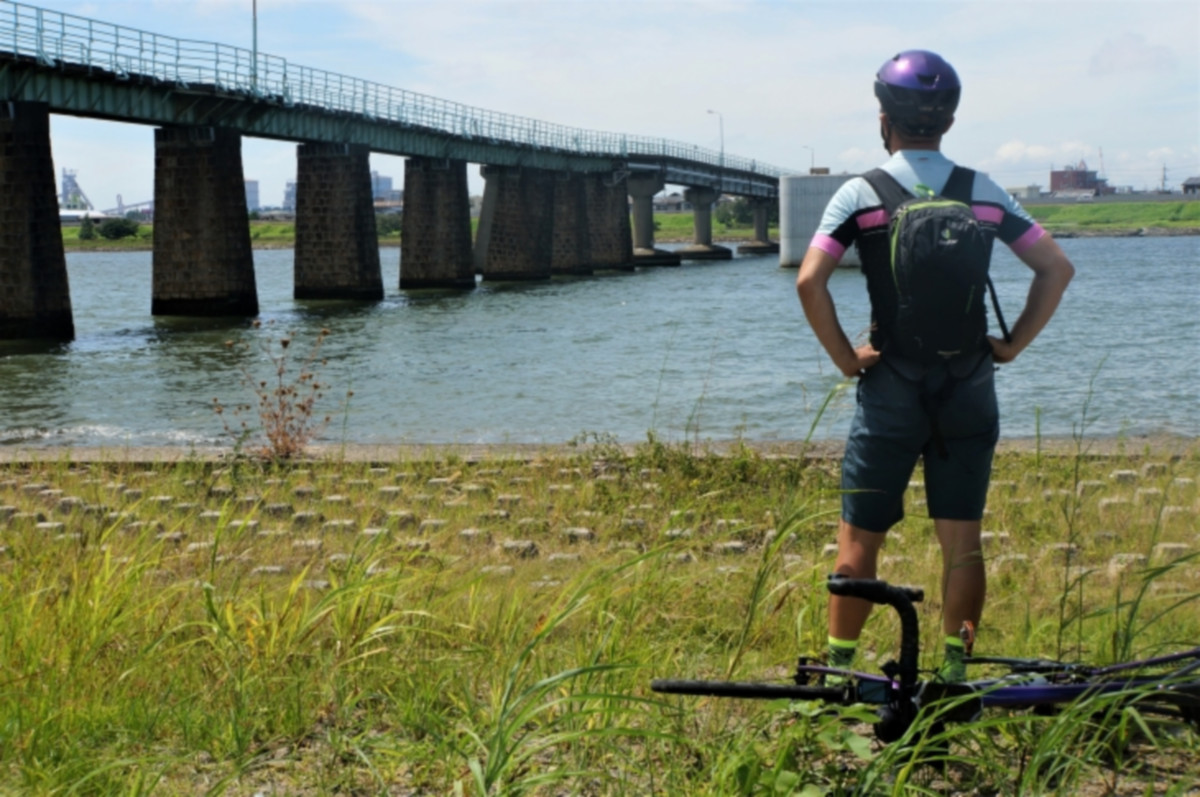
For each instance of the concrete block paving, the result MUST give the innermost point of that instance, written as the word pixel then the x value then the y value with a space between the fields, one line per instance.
pixel 543 533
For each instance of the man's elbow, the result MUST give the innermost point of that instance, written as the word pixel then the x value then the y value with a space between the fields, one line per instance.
pixel 808 286
pixel 1065 272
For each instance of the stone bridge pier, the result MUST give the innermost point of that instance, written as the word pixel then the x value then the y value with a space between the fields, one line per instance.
pixel 570 240
pixel 337 249
pixel 35 300
pixel 203 264
pixel 435 246
pixel 702 200
pixel 515 238
pixel 610 235
pixel 642 187
pixel 762 243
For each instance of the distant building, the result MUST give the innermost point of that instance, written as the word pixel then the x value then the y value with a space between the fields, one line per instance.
pixel 1078 178
pixel 252 203
pixel 289 196
pixel 671 203
pixel 1191 185
pixel 1025 192
pixel 381 185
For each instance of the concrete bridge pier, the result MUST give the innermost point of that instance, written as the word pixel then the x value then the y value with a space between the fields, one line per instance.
pixel 35 300
pixel 762 243
pixel 570 250
pixel 610 235
pixel 203 264
pixel 516 243
pixel 642 187
pixel 702 200
pixel 337 249
pixel 435 246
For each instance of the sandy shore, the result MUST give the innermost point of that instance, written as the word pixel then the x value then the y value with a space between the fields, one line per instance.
pixel 1160 446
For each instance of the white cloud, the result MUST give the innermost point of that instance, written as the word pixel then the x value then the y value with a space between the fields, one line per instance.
pixel 1128 53
pixel 785 76
pixel 1020 152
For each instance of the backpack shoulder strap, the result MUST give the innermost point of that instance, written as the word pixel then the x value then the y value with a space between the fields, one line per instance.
pixel 959 185
pixel 890 192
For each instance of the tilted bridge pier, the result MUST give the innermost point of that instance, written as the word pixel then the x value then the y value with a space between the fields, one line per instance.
pixel 556 199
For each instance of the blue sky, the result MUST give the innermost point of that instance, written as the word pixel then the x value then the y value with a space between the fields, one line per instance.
pixel 1115 84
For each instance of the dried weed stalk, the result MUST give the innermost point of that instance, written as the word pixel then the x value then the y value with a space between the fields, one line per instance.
pixel 286 404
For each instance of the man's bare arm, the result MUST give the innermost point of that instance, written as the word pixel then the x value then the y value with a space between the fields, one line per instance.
pixel 812 284
pixel 1052 272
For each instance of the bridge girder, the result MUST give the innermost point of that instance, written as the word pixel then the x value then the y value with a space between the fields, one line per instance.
pixel 86 92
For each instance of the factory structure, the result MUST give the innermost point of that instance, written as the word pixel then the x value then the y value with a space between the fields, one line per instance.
pixel 1077 179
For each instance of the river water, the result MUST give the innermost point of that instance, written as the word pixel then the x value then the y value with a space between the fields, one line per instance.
pixel 713 351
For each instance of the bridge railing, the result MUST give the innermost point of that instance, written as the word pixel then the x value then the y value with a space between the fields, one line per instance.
pixel 70 42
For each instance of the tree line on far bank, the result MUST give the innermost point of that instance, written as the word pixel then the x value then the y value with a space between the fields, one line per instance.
pixel 1110 217
pixel 109 229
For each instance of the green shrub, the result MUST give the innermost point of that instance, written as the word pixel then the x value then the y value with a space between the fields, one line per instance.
pixel 115 229
pixel 388 224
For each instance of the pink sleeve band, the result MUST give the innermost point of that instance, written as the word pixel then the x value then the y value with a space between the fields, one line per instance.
pixel 989 213
pixel 1031 236
pixel 876 218
pixel 828 245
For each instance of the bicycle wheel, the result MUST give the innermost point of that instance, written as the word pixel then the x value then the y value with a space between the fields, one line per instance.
pixel 750 690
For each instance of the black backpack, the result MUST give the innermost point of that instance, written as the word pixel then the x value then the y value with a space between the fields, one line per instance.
pixel 939 258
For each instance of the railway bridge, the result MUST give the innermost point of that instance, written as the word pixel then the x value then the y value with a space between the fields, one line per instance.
pixel 556 198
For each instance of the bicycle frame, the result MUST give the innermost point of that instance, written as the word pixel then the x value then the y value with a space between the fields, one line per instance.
pixel 900 695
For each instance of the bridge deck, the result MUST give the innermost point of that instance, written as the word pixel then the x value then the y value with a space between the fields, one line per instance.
pixel 86 67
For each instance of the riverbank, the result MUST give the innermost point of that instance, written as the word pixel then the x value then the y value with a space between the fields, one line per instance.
pixel 1074 220
pixel 1162 446
pixel 434 624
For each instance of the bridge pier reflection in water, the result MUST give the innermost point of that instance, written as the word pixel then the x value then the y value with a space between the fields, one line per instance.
pixel 556 199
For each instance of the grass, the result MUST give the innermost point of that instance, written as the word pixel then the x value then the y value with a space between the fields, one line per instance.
pixel 263 235
pixel 1117 216
pixel 679 227
pixel 144 239
pixel 442 626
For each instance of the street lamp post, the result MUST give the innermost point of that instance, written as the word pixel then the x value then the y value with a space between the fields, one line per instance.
pixel 254 47
pixel 812 158
pixel 721 128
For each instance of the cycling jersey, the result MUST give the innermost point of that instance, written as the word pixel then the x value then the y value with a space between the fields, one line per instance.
pixel 855 215
pixel 856 211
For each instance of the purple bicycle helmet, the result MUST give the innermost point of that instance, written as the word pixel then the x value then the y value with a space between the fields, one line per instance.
pixel 918 91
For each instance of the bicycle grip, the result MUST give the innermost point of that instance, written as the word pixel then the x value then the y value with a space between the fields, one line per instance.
pixel 873 590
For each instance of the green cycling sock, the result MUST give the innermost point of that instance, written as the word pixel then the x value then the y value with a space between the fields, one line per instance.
pixel 841 651
pixel 954 665
pixel 841 655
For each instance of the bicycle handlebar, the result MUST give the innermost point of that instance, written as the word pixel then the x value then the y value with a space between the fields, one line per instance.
pixel 899 598
pixel 874 590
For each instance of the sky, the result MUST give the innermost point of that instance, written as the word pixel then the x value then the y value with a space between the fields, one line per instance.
pixel 1045 84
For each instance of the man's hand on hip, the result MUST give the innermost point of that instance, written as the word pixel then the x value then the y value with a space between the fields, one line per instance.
pixel 1002 350
pixel 865 358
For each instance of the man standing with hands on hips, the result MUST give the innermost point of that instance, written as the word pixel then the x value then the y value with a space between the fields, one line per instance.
pixel 917 399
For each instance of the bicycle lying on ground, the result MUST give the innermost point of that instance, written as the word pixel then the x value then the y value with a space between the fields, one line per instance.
pixel 1168 684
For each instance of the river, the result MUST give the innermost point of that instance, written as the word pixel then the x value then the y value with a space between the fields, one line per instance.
pixel 713 351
